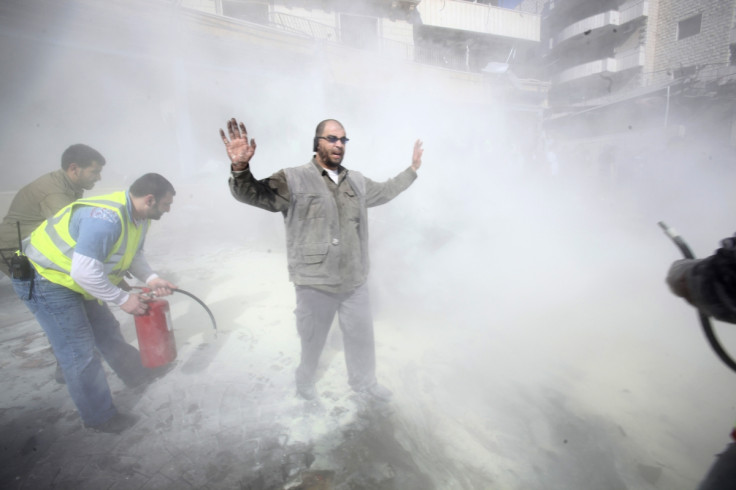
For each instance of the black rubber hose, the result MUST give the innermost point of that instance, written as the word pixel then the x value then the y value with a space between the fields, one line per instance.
pixel 212 317
pixel 704 320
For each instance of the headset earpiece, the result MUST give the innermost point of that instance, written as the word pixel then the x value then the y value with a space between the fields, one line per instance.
pixel 314 146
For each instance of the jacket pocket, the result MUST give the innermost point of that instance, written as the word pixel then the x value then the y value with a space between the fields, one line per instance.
pixel 314 253
pixel 310 206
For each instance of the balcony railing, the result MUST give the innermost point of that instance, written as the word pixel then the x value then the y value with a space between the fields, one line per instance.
pixel 624 61
pixel 300 25
pixel 431 55
pixel 437 55
pixel 477 17
pixel 625 14
pixel 633 10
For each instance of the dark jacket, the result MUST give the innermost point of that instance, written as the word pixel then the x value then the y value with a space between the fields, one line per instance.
pixel 712 282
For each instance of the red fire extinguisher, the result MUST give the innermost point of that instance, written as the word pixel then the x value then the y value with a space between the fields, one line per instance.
pixel 156 334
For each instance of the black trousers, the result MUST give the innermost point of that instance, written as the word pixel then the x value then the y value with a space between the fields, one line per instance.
pixel 722 475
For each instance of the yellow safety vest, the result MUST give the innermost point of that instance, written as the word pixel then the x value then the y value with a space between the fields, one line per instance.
pixel 50 246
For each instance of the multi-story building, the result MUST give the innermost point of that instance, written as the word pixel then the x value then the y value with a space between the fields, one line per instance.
pixel 471 36
pixel 480 54
pixel 177 63
pixel 616 64
pixel 465 34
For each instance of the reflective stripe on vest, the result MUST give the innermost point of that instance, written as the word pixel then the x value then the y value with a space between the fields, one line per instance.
pixel 50 246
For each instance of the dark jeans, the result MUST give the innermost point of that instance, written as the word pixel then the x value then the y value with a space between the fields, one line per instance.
pixel 722 475
pixel 315 311
pixel 77 329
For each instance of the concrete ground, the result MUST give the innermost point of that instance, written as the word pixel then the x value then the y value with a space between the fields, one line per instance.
pixel 223 417
pixel 523 402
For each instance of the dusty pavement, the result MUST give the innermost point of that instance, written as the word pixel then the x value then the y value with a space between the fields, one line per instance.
pixel 473 408
pixel 224 417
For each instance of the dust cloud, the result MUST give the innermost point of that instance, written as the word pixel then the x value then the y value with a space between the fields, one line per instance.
pixel 522 318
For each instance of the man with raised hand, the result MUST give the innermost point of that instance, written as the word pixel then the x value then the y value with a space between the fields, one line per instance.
pixel 325 213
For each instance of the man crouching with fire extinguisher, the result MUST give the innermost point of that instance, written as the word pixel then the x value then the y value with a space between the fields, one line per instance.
pixel 70 266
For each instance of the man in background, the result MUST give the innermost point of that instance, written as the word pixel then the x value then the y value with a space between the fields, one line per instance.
pixel 81 168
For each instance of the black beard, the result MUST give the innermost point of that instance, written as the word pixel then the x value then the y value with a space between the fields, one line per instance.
pixel 324 156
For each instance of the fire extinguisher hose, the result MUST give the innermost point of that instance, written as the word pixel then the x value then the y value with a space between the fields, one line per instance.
pixel 704 320
pixel 212 317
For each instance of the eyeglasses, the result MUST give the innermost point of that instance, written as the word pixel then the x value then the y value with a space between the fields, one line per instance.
pixel 334 139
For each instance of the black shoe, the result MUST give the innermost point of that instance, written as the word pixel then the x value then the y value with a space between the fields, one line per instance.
pixel 377 392
pixel 115 424
pixel 59 375
pixel 306 391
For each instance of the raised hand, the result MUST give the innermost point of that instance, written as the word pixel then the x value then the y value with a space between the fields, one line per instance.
pixel 238 148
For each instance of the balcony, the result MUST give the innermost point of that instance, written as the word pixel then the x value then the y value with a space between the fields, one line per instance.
pixel 327 28
pixel 476 17
pixel 300 25
pixel 627 60
pixel 626 13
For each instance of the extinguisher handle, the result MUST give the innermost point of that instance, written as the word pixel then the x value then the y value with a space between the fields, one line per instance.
pixel 186 293
pixel 146 294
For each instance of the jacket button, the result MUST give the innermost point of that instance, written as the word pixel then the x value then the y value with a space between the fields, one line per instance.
pixel 335 241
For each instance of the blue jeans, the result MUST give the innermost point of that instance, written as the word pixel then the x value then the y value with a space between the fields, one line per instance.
pixel 77 329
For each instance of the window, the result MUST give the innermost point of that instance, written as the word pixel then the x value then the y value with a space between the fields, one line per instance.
pixel 252 11
pixel 689 27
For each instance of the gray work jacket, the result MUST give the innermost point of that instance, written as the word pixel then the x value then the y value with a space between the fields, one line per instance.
pixel 313 219
pixel 312 226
